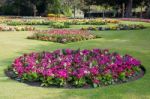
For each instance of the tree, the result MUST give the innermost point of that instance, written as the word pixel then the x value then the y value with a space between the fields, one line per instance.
pixel 120 4
pixel 75 4
pixel 34 4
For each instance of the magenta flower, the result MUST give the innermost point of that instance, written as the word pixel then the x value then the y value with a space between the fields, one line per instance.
pixel 62 73
pixel 74 65
pixel 94 71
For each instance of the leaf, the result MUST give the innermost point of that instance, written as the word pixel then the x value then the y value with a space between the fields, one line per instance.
pixel 95 85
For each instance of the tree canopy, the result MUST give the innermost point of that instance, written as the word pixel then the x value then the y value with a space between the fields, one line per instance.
pixel 67 7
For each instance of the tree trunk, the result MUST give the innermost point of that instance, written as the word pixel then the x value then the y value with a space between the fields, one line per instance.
pixel 103 13
pixel 129 5
pixel 18 8
pixel 104 10
pixel 74 12
pixel 18 11
pixel 34 9
pixel 89 12
pixel 141 13
pixel 123 10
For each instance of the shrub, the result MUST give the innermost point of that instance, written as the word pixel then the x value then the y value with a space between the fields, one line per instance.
pixel 75 68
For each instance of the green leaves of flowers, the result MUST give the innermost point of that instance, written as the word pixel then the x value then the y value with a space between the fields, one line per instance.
pixel 30 76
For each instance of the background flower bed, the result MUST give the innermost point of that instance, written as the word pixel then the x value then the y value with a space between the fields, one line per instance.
pixel 16 28
pixel 117 27
pixel 86 22
pixel 62 35
pixel 59 25
pixel 136 19
pixel 75 68
pixel 15 22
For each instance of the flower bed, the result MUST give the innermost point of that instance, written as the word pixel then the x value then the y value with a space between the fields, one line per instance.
pixel 86 22
pixel 59 25
pixel 16 22
pixel 117 27
pixel 52 24
pixel 16 28
pixel 75 68
pixel 28 22
pixel 91 21
pixel 136 19
pixel 62 35
pixel 56 15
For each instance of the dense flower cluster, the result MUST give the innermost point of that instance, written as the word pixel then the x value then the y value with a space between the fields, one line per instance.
pixel 52 24
pixel 136 19
pixel 76 68
pixel 91 21
pixel 59 25
pixel 28 22
pixel 16 28
pixel 86 22
pixel 45 21
pixel 62 35
pixel 56 15
pixel 117 27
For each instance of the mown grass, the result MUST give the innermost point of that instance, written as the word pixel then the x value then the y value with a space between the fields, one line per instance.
pixel 134 42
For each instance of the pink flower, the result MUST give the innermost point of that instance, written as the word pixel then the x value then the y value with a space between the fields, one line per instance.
pixel 62 73
pixel 49 72
pixel 96 81
pixel 94 71
pixel 75 64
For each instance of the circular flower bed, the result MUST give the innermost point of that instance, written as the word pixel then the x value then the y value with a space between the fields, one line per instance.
pixel 75 68
pixel 62 35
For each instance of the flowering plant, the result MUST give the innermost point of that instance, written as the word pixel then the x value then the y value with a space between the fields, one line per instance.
pixel 62 35
pixel 55 15
pixel 28 22
pixel 117 27
pixel 16 28
pixel 76 68
pixel 48 21
pixel 86 22
pixel 59 25
pixel 136 19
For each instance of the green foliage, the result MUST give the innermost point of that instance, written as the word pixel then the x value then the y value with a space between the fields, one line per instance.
pixel 54 7
pixel 122 76
pixel 80 82
pixel 50 81
pixel 30 76
pixel 107 79
pixel 67 11
pixel 59 25
pixel 136 69
pixel 29 22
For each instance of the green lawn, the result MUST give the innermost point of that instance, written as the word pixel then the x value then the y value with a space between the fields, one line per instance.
pixel 134 42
